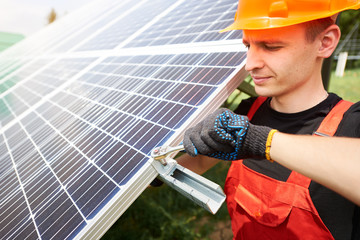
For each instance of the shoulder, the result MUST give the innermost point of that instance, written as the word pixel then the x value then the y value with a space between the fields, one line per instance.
pixel 245 106
pixel 350 124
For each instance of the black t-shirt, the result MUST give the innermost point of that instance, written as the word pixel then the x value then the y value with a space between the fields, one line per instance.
pixel 340 216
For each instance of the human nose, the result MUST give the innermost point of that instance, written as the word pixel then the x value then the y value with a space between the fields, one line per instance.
pixel 253 60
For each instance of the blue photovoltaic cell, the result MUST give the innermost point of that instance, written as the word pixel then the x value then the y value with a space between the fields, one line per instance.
pixel 104 116
pixel 126 26
pixel 78 127
pixel 20 75
pixel 65 33
pixel 101 19
pixel 192 21
pixel 30 92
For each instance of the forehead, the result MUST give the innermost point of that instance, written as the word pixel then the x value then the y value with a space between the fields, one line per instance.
pixel 275 34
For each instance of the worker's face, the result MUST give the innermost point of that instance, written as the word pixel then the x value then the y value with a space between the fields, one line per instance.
pixel 281 61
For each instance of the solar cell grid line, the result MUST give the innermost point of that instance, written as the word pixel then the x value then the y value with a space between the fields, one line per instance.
pixel 132 20
pixel 117 71
pixel 31 71
pixel 15 77
pixel 239 55
pixel 12 50
pixel 95 114
pixel 9 66
pixel 12 142
pixel 6 64
pixel 18 106
pixel 15 205
pixel 176 27
pixel 47 38
pixel 124 107
pixel 8 189
pixel 21 187
pixel 117 98
pixel 119 131
pixel 128 125
pixel 101 122
pixel 150 24
pixel 21 220
pixel 109 14
pixel 4 165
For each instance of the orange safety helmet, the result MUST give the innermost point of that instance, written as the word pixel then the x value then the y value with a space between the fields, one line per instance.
pixel 263 14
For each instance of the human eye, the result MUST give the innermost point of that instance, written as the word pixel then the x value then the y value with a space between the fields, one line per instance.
pixel 246 44
pixel 271 47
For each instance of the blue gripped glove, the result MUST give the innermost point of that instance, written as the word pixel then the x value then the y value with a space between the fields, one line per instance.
pixel 227 136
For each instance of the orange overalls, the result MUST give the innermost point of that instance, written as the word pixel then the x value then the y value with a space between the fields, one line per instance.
pixel 263 208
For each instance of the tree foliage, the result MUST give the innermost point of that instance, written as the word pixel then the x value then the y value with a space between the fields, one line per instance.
pixel 52 16
pixel 347 20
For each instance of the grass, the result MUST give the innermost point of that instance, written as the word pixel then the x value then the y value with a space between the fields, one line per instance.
pixel 348 86
pixel 162 213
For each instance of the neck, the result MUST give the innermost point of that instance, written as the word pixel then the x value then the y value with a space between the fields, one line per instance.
pixel 299 102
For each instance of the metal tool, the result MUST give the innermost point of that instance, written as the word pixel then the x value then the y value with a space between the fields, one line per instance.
pixel 162 152
pixel 202 191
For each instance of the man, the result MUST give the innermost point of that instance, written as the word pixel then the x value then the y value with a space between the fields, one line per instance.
pixel 287 42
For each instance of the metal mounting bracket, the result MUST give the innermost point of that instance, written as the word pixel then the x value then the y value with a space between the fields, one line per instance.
pixel 200 190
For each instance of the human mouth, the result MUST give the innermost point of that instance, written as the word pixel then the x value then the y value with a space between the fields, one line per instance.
pixel 259 79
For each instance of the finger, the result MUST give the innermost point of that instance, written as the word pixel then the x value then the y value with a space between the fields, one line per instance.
pixel 216 144
pixel 201 146
pixel 221 135
pixel 188 145
pixel 224 156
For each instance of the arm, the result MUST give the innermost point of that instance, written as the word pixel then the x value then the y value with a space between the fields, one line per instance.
pixel 331 161
pixel 199 164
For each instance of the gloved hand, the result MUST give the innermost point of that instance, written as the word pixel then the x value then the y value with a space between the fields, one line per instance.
pixel 227 136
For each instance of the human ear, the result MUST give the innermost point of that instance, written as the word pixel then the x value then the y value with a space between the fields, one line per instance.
pixel 329 39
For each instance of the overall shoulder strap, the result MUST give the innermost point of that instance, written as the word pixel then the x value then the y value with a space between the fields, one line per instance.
pixel 327 127
pixel 255 106
pixel 331 122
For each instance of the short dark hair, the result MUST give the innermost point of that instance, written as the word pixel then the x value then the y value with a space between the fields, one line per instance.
pixel 315 27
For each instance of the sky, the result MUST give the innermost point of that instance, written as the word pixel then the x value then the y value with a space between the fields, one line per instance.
pixel 29 16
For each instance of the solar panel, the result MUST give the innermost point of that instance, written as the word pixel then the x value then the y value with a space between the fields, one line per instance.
pixel 85 101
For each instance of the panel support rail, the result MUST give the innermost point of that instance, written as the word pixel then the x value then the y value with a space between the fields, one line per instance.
pixel 200 190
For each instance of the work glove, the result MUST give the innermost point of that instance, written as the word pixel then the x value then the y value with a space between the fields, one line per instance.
pixel 227 136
